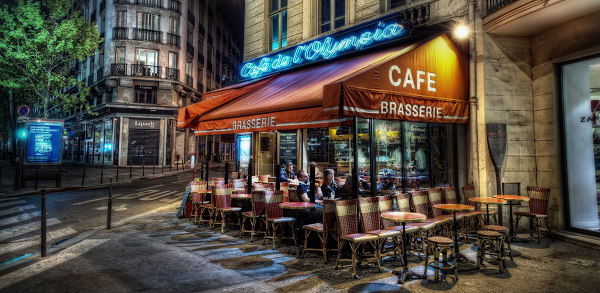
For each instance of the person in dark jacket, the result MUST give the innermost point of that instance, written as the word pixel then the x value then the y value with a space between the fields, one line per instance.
pixel 287 174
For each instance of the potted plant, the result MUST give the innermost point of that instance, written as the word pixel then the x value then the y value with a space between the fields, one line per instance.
pixel 195 185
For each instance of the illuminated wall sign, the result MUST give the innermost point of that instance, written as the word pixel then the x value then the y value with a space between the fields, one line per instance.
pixel 44 144
pixel 368 35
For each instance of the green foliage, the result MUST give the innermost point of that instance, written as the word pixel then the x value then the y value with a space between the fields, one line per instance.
pixel 197 180
pixel 39 48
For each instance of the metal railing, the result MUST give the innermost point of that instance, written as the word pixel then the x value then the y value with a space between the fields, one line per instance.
pixel 145 70
pixel 190 49
pixel 152 3
pixel 100 73
pixel 189 80
pixel 147 35
pixel 90 79
pixel 173 39
pixel 191 18
pixel 118 69
pixel 172 73
pixel 494 5
pixel 120 1
pixel 175 5
pixel 120 33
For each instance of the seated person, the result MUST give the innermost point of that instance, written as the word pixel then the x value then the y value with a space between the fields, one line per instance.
pixel 387 181
pixel 345 191
pixel 304 187
pixel 330 185
pixel 318 173
pixel 287 174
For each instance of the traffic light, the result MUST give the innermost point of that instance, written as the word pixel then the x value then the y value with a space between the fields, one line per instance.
pixel 22 133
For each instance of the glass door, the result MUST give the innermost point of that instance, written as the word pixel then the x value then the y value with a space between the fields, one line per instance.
pixel 417 157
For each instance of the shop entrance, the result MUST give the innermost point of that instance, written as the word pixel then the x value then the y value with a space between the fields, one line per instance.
pixel 142 147
pixel 266 153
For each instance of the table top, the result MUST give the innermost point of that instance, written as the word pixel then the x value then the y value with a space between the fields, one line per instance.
pixel 201 191
pixel 487 200
pixel 402 217
pixel 512 197
pixel 241 196
pixel 449 207
pixel 296 205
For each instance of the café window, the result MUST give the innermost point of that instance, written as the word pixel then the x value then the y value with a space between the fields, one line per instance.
pixel 145 94
pixel 332 15
pixel 278 23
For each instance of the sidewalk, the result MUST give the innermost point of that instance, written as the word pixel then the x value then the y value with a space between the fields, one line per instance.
pixel 77 176
pixel 158 253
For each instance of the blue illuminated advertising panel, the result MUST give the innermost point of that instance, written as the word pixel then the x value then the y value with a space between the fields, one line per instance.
pixel 44 142
pixel 243 150
pixel 368 35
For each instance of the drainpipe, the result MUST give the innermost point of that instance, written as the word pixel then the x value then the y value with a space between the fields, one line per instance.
pixel 474 154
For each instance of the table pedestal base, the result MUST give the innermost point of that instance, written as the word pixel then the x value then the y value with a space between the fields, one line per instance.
pixel 406 274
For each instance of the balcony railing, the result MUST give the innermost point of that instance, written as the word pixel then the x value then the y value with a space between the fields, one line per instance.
pixel 201 59
pixel 120 33
pixel 152 3
pixel 201 30
pixel 174 40
pixel 175 6
pixel 102 6
pixel 90 79
pixel 145 70
pixel 200 87
pixel 189 80
pixel 190 49
pixel 494 5
pixel 191 18
pixel 121 1
pixel 100 73
pixel 147 35
pixel 172 73
pixel 118 69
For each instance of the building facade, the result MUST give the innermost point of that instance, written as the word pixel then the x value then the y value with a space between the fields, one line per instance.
pixel 157 56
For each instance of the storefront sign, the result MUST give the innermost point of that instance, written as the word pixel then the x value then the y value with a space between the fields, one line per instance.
pixel 145 87
pixel 143 124
pixel 44 142
pixel 249 124
pixel 368 35
pixel 288 147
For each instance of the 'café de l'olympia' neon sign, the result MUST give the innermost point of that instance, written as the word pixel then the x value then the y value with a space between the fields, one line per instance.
pixel 371 34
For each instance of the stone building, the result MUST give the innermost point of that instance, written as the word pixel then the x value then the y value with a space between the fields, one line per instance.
pixel 157 56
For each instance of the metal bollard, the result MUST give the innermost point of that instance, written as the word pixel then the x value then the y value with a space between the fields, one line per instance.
pixel 143 168
pixel 83 177
pixel 17 181
pixel 177 165
pixel 37 171
pixel 117 173
pixel 130 168
pixel 109 203
pixel 43 222
pixel 153 165
pixel 226 172
pixel 101 173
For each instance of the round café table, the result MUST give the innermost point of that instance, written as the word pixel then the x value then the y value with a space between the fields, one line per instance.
pixel 244 197
pixel 487 201
pixel 238 190
pixel 448 207
pixel 296 206
pixel 510 199
pixel 401 217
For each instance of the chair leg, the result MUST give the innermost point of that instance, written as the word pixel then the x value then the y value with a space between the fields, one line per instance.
pixel 293 233
pixel 426 262
pixel 479 252
pixel 266 231
pixel 305 238
pixel 547 222
pixel 324 243
pixel 354 247
pixel 537 227
pixel 531 227
pixel 242 221
pixel 377 247
pixel 436 263
pixel 223 215
pixel 340 245
pixel 252 229
pixel 274 234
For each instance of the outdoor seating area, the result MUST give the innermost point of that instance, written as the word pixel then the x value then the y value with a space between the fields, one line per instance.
pixel 427 225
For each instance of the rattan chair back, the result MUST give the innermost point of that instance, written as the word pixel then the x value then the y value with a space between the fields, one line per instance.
pixel 258 203
pixel 538 202
pixel 420 202
pixel 403 202
pixel 329 219
pixel 273 199
pixel 369 213
pixel 223 195
pixel 468 192
pixel 450 195
pixel 386 204
pixel 347 216
pixel 435 197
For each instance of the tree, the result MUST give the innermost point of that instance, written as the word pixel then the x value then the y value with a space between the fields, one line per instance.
pixel 39 44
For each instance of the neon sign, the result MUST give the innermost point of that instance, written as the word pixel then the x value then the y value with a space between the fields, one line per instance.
pixel 354 39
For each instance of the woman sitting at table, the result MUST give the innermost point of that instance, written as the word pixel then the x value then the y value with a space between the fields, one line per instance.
pixel 330 185
pixel 345 191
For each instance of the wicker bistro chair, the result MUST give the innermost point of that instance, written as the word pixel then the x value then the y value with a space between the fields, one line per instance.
pixel 223 206
pixel 386 204
pixel 328 226
pixel 478 215
pixel 461 218
pixel 414 231
pixel 505 238
pixel 275 218
pixel 371 224
pixel 209 208
pixel 435 197
pixel 421 205
pixel 239 183
pixel 538 210
pixel 258 212
pixel 490 243
pixel 347 223
pixel 199 197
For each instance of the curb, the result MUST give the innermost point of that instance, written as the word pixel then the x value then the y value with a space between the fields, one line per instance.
pixel 74 188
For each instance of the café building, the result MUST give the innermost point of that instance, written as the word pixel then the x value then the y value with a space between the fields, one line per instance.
pixel 376 99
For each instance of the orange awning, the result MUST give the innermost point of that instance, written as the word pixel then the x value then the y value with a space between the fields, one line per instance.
pixel 214 99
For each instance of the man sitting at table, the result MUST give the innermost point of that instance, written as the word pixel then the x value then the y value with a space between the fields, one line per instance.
pixel 304 187
pixel 287 174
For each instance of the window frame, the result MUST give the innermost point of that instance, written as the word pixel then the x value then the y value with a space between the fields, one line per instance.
pixel 279 13
pixel 172 21
pixel 332 18
pixel 121 18
pixel 118 50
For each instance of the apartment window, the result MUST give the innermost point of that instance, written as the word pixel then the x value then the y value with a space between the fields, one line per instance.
pixel 209 53
pixel 120 55
pixel 278 21
pixel 121 19
pixel 173 60
pixel 174 25
pixel 208 82
pixel 209 27
pixel 331 15
pixel 391 4
pixel 145 94
pixel 188 68
pixel 200 45
pixel 148 21
pixel 146 57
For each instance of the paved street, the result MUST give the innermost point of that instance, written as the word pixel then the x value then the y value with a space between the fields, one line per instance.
pixel 71 213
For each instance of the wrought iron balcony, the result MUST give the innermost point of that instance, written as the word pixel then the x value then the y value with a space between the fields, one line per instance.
pixel 191 18
pixel 173 39
pixel 201 30
pixel 189 80
pixel 494 5
pixel 172 73
pixel 90 79
pixel 190 49
pixel 118 69
pixel 201 59
pixel 147 35
pixel 200 87
pixel 102 6
pixel 100 73
pixel 120 33
pixel 145 70
pixel 175 6
pixel 151 3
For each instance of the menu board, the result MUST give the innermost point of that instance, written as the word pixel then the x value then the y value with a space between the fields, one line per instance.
pixel 288 147
pixel 44 142
pixel 318 139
